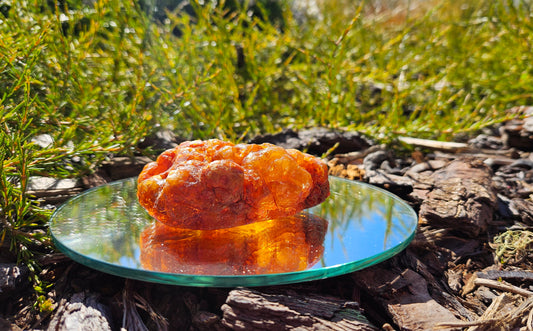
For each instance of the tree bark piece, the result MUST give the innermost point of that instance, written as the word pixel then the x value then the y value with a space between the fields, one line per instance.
pixel 247 309
pixel 81 312
pixel 405 297
pixel 462 198
pixel 524 208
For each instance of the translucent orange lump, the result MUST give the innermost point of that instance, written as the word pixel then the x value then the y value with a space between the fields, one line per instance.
pixel 212 184
pixel 282 245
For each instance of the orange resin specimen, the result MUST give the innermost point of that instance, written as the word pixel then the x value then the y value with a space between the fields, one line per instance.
pixel 212 184
pixel 282 245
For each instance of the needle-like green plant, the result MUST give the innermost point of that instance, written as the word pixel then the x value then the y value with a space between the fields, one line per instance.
pixel 93 80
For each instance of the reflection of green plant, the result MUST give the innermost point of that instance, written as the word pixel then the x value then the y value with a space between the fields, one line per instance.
pixel 350 205
pixel 107 212
pixel 397 216
pixel 98 78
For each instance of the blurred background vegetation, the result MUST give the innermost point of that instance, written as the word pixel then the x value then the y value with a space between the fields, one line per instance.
pixel 96 77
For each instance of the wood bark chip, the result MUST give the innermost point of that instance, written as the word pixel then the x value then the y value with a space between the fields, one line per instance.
pixel 502 305
pixel 524 209
pixel 81 312
pixel 405 297
pixel 435 286
pixel 462 198
pixel 506 274
pixel 441 279
pixel 247 309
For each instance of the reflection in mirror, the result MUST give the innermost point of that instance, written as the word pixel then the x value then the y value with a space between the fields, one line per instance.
pixel 364 221
pixel 103 223
pixel 279 245
pixel 107 229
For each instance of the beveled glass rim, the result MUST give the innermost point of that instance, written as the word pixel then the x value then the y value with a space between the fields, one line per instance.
pixel 233 280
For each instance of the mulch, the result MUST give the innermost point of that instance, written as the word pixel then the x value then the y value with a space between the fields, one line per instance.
pixel 469 266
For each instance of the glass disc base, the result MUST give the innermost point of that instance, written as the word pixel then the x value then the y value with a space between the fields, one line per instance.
pixel 103 228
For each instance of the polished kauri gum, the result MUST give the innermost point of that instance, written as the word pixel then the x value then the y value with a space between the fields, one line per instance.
pixel 281 245
pixel 212 184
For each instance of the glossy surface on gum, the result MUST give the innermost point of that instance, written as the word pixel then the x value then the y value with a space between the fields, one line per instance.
pixel 212 184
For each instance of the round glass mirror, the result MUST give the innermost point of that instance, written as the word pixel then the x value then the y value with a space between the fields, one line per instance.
pixel 357 226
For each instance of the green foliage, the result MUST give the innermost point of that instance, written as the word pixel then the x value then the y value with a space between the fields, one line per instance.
pixel 83 88
pixel 436 73
pixel 68 75
pixel 99 78
pixel 512 247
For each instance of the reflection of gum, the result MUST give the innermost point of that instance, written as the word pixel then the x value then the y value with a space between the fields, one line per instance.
pixel 274 246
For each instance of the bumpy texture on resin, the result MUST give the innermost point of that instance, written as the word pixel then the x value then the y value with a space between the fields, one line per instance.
pixel 212 184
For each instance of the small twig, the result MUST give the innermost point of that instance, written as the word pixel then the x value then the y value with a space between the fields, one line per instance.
pixel 506 317
pixel 506 274
pixel 161 321
pixel 501 286
pixel 466 323
pixel 434 144
pixel 530 320
pixel 53 258
pixel 131 320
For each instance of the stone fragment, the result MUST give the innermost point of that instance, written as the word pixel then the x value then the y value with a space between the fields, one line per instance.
pixel 400 185
pixel 484 141
pixel 39 183
pixel 160 140
pixel 430 165
pixel 316 141
pixel 43 140
pixel 373 160
pixel 518 133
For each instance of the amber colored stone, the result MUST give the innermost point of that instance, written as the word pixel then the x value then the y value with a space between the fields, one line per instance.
pixel 275 246
pixel 212 184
